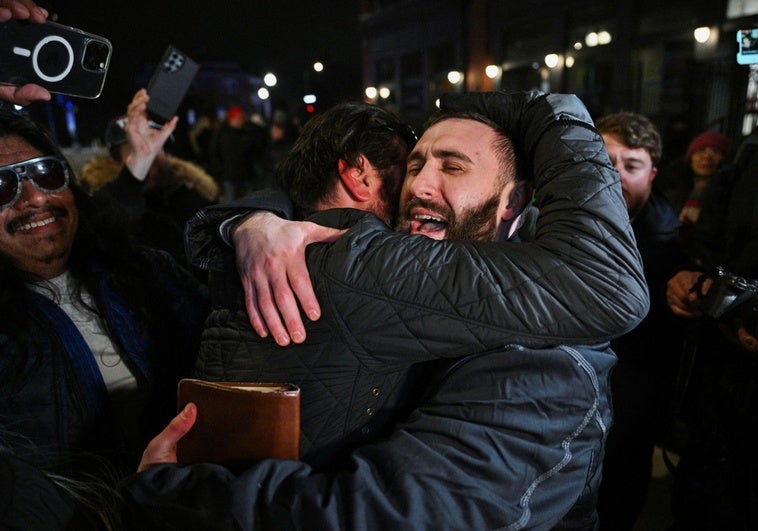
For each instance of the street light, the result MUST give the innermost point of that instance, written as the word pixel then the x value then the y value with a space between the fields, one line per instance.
pixel 551 60
pixel 702 34
pixel 492 71
pixel 455 77
pixel 269 79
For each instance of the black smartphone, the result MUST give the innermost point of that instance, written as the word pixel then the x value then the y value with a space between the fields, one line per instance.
pixel 169 84
pixel 60 58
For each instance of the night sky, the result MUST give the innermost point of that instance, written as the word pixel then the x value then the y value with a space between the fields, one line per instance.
pixel 284 36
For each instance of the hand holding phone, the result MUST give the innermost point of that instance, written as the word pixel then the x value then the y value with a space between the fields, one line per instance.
pixel 145 139
pixel 59 58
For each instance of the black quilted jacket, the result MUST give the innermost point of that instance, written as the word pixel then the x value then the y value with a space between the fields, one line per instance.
pixel 391 300
pixel 512 433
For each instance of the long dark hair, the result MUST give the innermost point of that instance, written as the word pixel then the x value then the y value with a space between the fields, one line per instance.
pixel 101 242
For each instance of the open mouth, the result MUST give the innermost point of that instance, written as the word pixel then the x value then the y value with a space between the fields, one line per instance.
pixel 28 223
pixel 429 225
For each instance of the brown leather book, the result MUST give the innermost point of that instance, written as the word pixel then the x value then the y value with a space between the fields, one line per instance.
pixel 240 421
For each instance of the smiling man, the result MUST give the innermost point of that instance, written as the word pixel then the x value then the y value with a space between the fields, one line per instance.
pixel 83 368
pixel 444 195
pixel 39 239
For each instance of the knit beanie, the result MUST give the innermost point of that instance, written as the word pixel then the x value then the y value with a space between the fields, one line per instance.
pixel 235 112
pixel 709 138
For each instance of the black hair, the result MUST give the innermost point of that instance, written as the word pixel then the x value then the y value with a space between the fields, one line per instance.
pixel 309 172
pixel 511 163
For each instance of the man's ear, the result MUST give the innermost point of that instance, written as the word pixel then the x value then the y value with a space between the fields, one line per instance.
pixel 354 180
pixel 653 172
pixel 518 199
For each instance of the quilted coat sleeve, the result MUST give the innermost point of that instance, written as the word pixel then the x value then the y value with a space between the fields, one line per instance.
pixel 203 244
pixel 579 281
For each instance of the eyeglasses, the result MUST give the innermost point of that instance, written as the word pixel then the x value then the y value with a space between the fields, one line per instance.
pixel 48 174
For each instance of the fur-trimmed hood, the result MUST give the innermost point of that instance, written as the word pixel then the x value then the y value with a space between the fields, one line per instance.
pixel 101 170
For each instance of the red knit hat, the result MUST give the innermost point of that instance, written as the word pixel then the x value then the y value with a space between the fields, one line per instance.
pixel 234 112
pixel 709 138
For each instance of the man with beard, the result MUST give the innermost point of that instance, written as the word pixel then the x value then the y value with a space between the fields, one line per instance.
pixel 509 431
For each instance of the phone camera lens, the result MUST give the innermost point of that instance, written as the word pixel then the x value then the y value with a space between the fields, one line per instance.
pixel 95 56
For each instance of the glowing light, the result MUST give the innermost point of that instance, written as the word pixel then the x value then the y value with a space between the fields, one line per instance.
pixel 384 93
pixel 454 77
pixel 269 79
pixel 371 92
pixel 551 60
pixel 569 61
pixel 318 66
pixel 702 34
pixel 263 93
pixel 603 37
pixel 492 71
pixel 309 98
pixel 591 39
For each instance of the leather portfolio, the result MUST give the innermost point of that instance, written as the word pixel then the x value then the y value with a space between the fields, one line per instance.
pixel 240 421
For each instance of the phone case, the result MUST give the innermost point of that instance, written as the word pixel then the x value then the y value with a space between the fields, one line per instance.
pixel 60 58
pixel 170 82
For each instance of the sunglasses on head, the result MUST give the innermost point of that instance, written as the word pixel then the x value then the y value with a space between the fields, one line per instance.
pixel 47 173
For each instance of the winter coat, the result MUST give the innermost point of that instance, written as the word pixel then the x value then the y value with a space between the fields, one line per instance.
pixel 157 209
pixel 349 400
pixel 511 433
pixel 53 400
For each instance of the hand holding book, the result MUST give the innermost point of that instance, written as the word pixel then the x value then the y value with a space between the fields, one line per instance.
pixel 239 421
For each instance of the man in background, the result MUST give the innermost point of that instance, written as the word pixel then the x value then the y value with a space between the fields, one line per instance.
pixel 643 379
pixel 235 152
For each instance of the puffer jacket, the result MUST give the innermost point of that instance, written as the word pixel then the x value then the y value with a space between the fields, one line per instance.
pixel 511 432
pixel 54 406
pixel 391 300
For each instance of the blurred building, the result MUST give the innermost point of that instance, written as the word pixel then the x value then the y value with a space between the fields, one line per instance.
pixel 639 56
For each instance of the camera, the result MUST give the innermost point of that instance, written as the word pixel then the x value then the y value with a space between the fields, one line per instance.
pixel 60 58
pixel 732 296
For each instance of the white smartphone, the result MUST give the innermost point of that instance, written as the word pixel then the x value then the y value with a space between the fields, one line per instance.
pixel 62 59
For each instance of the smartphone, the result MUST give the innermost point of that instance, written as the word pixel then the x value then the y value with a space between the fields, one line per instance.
pixel 169 84
pixel 62 59
pixel 747 46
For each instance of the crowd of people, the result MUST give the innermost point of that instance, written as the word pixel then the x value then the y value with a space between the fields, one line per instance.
pixel 492 325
